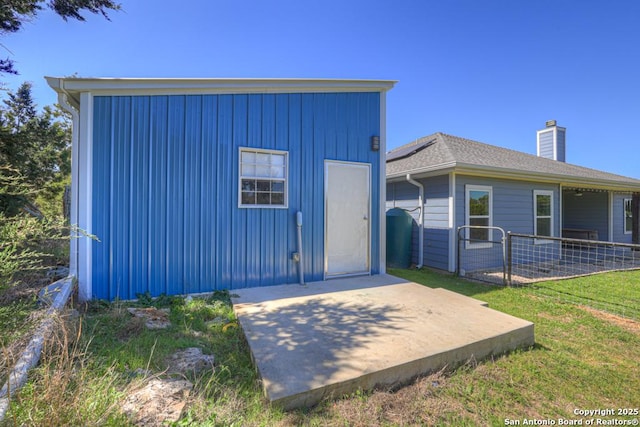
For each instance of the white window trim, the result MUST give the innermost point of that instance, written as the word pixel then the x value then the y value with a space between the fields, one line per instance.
pixel 537 193
pixel 624 216
pixel 467 221
pixel 286 178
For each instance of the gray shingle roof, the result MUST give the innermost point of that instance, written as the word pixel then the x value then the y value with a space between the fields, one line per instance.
pixel 441 151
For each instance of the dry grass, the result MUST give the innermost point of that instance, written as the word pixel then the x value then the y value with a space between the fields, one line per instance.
pixel 630 325
pixel 583 358
pixel 64 389
pixel 416 404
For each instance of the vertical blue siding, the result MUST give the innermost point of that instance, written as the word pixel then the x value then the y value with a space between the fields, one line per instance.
pixel 102 195
pixel 165 188
pixel 157 224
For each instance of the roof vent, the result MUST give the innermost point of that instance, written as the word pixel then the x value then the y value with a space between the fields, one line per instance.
pixel 551 141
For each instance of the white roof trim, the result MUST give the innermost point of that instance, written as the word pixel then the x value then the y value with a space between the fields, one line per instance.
pixel 183 86
pixel 516 174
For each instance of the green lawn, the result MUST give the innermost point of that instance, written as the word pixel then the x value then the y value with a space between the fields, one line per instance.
pixel 617 293
pixel 583 359
pixel 580 360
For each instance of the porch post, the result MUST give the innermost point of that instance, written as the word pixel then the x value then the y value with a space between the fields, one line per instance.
pixel 635 218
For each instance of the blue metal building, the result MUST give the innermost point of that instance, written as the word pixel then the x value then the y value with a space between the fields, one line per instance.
pixel 194 185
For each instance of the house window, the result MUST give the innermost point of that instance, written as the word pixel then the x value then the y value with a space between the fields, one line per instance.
pixel 628 217
pixel 543 213
pixel 479 207
pixel 263 178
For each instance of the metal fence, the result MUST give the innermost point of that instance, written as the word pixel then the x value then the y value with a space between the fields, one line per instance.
pixel 489 254
pixel 536 258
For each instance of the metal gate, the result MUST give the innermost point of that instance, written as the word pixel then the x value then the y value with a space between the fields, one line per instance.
pixel 482 253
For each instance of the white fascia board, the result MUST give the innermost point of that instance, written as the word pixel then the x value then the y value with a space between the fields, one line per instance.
pixel 436 170
pixel 453 231
pixel 175 86
pixel 382 238
pixel 518 175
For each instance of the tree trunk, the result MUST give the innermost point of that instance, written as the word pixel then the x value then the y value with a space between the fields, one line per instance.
pixel 66 203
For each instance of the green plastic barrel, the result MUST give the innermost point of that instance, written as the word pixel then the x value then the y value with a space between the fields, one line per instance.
pixel 399 228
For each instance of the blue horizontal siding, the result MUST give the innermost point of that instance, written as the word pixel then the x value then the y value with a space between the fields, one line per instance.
pixel 165 188
pixel 512 203
pixel 404 195
pixel 512 211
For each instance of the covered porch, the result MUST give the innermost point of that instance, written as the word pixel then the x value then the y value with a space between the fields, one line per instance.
pixel 599 215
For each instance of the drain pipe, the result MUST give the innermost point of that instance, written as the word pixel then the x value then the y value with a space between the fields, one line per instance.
pixel 299 255
pixel 60 292
pixel 66 104
pixel 420 219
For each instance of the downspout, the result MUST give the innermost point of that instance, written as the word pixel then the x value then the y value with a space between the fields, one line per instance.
pixel 299 257
pixel 63 100
pixel 420 219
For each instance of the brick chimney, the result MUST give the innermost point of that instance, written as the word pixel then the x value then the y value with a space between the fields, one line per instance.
pixel 552 141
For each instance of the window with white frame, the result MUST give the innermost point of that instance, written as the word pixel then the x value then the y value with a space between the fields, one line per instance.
pixel 543 213
pixel 263 178
pixel 628 217
pixel 479 208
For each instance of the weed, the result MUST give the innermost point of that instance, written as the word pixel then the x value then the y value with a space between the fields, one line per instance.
pixel 65 389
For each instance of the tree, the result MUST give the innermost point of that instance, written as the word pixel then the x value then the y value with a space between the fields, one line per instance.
pixel 13 13
pixel 36 148
pixel 21 108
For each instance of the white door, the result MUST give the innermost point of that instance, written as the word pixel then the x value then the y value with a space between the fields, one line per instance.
pixel 347 213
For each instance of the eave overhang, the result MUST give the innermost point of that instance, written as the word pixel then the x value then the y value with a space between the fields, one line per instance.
pixel 515 174
pixel 73 86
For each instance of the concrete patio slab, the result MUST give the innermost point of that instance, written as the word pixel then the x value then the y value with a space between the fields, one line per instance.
pixel 326 339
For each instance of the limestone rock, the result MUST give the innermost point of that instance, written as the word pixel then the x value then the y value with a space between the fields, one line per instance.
pixel 158 402
pixel 154 318
pixel 190 361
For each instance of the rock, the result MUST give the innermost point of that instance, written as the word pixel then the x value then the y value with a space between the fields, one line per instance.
pixel 189 361
pixel 154 318
pixel 160 401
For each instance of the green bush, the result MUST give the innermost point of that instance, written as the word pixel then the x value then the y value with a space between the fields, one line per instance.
pixel 29 244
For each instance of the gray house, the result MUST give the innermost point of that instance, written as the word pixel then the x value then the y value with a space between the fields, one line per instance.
pixel 464 182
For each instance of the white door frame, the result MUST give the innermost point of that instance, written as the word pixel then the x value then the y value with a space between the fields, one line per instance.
pixel 326 234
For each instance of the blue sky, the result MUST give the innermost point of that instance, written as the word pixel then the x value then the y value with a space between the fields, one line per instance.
pixel 493 71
